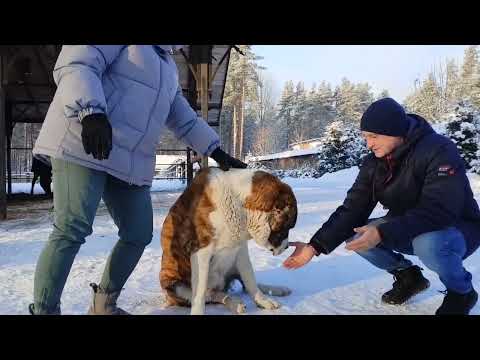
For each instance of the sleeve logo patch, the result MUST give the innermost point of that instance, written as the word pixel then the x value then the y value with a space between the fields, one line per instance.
pixel 446 170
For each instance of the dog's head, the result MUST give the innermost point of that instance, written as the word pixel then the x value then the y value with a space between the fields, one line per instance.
pixel 272 212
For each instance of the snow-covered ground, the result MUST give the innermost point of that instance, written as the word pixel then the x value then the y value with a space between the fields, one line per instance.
pixel 25 188
pixel 157 185
pixel 339 283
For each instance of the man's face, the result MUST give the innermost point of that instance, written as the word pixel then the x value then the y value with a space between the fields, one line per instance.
pixel 381 145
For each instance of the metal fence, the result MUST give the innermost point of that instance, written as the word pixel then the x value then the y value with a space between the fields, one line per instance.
pixel 21 164
pixel 176 170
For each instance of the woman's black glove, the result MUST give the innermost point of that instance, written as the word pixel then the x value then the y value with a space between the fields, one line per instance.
pixel 97 135
pixel 225 161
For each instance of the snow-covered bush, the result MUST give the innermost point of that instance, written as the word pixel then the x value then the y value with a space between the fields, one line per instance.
pixel 341 147
pixel 462 126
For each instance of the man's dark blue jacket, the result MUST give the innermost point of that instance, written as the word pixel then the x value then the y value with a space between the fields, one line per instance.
pixel 423 185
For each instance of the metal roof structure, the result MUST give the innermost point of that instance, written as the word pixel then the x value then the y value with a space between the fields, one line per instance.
pixel 27 88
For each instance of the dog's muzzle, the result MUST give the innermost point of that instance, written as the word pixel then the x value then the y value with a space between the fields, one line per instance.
pixel 283 246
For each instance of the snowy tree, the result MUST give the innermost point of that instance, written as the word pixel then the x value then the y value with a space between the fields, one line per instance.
pixel 430 94
pixel 325 98
pixel 469 79
pixel 299 120
pixel 240 95
pixel 452 87
pixel 463 128
pixel 286 108
pixel 265 103
pixel 383 94
pixel 365 98
pixel 263 141
pixel 322 109
pixel 261 131
pixel 438 92
pixel 425 100
pixel 341 147
pixel 351 101
pixel 345 100
pixel 311 115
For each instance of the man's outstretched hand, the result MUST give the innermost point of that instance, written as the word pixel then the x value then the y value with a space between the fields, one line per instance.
pixel 301 256
pixel 368 238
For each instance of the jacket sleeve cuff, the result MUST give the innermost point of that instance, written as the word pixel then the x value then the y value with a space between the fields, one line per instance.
pixel 88 111
pixel 212 147
pixel 318 248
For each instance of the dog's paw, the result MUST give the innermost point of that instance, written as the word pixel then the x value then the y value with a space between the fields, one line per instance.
pixel 235 305
pixel 265 302
pixel 274 290
pixel 239 308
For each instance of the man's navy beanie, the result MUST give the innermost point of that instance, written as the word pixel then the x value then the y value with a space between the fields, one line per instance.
pixel 386 117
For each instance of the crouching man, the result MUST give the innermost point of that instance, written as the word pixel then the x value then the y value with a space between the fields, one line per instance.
pixel 420 177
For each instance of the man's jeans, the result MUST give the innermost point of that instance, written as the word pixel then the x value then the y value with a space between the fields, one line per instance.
pixel 441 251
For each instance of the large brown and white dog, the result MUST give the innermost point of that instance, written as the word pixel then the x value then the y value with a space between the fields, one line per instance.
pixel 204 237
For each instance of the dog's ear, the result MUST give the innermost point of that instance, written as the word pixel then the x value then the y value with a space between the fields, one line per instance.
pixel 265 190
pixel 279 214
pixel 280 202
pixel 278 218
pixel 284 212
pixel 285 198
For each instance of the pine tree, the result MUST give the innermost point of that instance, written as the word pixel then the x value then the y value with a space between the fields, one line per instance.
pixel 351 101
pixel 240 94
pixel 427 100
pixel 299 113
pixel 364 98
pixel 325 108
pixel 311 115
pixel 463 128
pixel 430 95
pixel 263 123
pixel 345 101
pixel 286 108
pixel 341 147
pixel 469 72
pixel 383 94
pixel 452 90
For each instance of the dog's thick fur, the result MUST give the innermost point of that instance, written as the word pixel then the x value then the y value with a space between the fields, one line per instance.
pixel 204 237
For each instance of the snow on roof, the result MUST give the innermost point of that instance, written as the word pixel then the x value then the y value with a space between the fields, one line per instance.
pixel 306 141
pixel 285 154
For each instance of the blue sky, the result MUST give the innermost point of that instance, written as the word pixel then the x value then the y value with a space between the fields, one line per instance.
pixel 391 67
